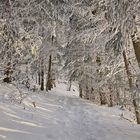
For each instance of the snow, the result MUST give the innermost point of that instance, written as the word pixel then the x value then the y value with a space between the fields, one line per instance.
pixel 61 115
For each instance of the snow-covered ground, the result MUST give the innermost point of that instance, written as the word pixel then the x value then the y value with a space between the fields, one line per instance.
pixel 61 115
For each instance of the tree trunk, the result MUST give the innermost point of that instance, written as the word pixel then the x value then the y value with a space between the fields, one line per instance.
pixel 80 91
pixel 118 97
pixel 127 69
pixel 137 112
pixel 110 100
pixel 110 96
pixel 36 78
pixel 42 76
pixel 49 81
pixel 8 73
pixel 87 93
pixel 69 85
pixel 134 102
pixel 136 45
pixel 39 78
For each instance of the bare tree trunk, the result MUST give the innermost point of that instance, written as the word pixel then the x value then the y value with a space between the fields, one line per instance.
pixel 36 78
pixel 127 69
pixel 8 72
pixel 80 91
pixel 87 93
pixel 135 104
pixel 101 99
pixel 136 46
pixel 49 81
pixel 42 76
pixel 110 97
pixel 117 93
pixel 92 94
pixel 110 101
pixel 39 78
pixel 137 112
pixel 69 85
pixel 118 97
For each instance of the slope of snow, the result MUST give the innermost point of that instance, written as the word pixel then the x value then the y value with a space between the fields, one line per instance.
pixel 61 115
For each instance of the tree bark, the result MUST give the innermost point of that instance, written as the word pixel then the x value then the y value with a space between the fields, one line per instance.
pixel 136 46
pixel 137 112
pixel 42 76
pixel 80 91
pixel 49 81
pixel 134 102
pixel 39 78
pixel 127 69
pixel 69 85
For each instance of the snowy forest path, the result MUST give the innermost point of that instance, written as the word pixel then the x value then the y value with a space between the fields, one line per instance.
pixel 61 115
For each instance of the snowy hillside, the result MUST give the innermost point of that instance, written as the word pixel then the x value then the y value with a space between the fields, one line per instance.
pixel 69 69
pixel 61 115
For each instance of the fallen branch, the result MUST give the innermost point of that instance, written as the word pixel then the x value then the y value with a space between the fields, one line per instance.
pixel 122 117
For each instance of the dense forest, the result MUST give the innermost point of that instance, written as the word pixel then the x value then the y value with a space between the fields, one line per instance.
pixel 93 45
